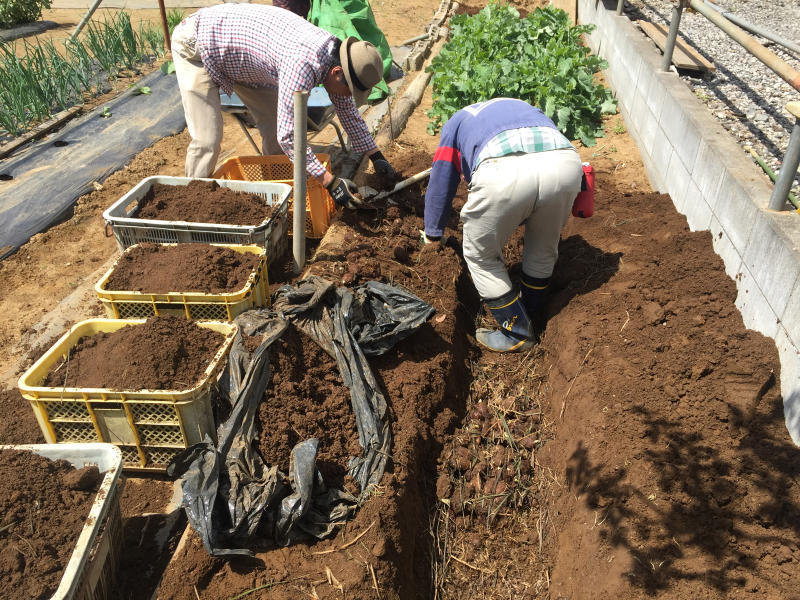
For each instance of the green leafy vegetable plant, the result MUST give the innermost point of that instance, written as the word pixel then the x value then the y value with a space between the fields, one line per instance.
pixel 539 59
pixel 14 12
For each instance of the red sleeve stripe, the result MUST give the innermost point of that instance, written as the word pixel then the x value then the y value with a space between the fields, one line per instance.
pixel 448 154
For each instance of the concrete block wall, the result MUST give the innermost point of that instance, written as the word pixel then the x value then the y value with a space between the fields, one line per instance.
pixel 688 155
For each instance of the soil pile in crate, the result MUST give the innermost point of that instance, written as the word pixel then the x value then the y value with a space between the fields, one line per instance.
pixel 44 505
pixel 307 399
pixel 158 269
pixel 203 202
pixel 164 353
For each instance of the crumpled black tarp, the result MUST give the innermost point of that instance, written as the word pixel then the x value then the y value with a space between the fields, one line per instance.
pixel 228 490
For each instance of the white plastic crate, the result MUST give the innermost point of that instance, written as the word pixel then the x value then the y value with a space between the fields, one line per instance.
pixel 271 234
pixel 92 567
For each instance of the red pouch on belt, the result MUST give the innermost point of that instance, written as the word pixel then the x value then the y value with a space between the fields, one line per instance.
pixel 584 202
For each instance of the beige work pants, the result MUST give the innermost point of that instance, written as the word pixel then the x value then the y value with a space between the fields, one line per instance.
pixel 202 108
pixel 536 189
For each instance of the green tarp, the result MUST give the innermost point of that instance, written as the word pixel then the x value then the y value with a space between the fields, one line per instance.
pixel 345 18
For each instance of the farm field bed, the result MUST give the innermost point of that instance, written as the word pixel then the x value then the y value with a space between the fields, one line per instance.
pixel 647 455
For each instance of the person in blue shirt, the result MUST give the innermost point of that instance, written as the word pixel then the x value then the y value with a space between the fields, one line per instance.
pixel 520 170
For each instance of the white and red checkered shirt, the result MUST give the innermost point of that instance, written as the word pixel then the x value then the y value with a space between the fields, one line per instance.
pixel 265 46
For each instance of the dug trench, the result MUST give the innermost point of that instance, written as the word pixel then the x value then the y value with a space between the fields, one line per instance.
pixel 424 380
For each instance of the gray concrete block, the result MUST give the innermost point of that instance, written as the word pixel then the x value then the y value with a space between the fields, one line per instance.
pixel 756 311
pixel 687 141
pixel 623 84
pixel 648 129
pixel 790 382
pixel 735 210
pixel 587 11
pixel 662 152
pixel 678 182
pixel 656 95
pixel 698 213
pixel 672 119
pixel 724 248
pixel 789 318
pixel 642 120
pixel 708 169
pixel 775 264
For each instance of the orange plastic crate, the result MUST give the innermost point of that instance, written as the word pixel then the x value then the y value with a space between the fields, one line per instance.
pixel 320 207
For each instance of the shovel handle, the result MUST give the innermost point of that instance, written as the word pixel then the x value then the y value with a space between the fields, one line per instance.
pixel 405 183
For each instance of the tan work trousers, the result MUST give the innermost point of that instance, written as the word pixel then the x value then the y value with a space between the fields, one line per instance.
pixel 536 189
pixel 203 110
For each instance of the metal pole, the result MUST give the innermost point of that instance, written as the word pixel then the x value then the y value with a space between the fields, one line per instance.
pixel 781 67
pixel 416 38
pixel 765 33
pixel 790 163
pixel 85 19
pixel 299 220
pixel 162 8
pixel 620 6
pixel 672 36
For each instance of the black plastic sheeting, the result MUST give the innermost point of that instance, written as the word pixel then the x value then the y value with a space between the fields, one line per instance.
pixel 47 179
pixel 229 493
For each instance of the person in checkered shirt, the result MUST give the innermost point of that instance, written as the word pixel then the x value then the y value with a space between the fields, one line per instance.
pixel 264 54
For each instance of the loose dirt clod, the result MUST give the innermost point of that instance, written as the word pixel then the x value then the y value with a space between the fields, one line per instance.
pixel 203 202
pixel 158 269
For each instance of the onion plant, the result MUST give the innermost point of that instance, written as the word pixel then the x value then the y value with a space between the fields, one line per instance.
pixel 46 79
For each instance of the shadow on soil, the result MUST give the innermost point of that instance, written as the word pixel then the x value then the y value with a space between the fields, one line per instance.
pixel 712 507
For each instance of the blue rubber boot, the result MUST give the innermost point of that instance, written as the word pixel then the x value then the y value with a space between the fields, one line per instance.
pixel 534 294
pixel 515 330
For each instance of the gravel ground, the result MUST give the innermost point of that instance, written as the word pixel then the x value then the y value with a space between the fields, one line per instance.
pixel 746 96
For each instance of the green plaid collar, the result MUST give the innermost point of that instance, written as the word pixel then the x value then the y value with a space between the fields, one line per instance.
pixel 525 140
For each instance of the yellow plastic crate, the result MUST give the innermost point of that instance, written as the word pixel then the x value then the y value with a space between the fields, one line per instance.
pixel 120 304
pixel 148 426
pixel 320 207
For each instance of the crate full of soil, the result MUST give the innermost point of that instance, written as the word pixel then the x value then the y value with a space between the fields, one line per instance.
pixel 279 168
pixel 61 528
pixel 197 281
pixel 144 386
pixel 164 209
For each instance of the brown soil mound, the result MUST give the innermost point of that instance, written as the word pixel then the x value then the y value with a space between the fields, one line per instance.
pixel 44 505
pixel 673 431
pixel 203 202
pixel 158 269
pixel 164 353
pixel 18 424
pixel 307 399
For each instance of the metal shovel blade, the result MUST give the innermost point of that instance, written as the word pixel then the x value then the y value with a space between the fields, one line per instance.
pixel 368 193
